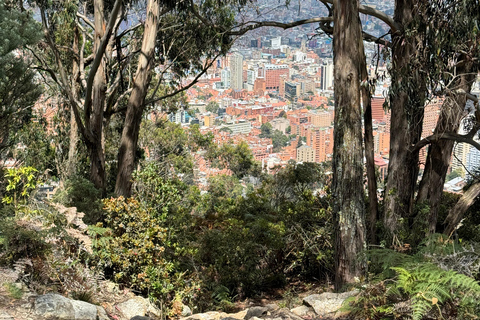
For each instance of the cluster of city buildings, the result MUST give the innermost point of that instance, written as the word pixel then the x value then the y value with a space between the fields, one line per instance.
pixel 291 88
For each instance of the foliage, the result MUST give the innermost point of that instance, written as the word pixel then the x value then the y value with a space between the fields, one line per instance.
pixel 212 107
pixel 420 285
pixel 138 241
pixel 18 88
pixel 20 183
pixel 238 158
pixel 132 245
pixel 81 193
pixel 170 145
pixel 250 243
pixel 19 239
pixel 266 129
pixel 14 291
pixel 36 148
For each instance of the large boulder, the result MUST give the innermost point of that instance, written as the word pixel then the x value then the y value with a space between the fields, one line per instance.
pixel 55 306
pixel 328 304
pixel 137 306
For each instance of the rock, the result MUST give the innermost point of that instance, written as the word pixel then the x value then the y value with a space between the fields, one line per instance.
pixel 102 314
pixel 5 316
pixel 140 318
pixel 186 311
pixel 55 306
pixel 271 307
pixel 255 312
pixel 283 314
pixel 84 310
pixel 302 311
pixel 327 303
pixel 137 306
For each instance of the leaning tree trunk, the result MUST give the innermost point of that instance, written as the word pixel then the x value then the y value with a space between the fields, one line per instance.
pixel 348 207
pixel 407 98
pixel 95 123
pixel 440 152
pixel 136 104
pixel 456 213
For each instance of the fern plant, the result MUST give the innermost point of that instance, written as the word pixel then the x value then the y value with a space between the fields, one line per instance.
pixel 414 287
pixel 430 287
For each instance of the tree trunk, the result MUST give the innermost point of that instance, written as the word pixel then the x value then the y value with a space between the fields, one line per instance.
pixel 440 153
pixel 96 150
pixel 72 148
pixel 136 104
pixel 456 214
pixel 348 208
pixel 369 150
pixel 407 98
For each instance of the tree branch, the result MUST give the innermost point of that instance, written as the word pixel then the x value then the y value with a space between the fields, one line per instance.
pixel 195 80
pixel 466 138
pixel 87 21
pixel 99 54
pixel 377 14
pixel 259 24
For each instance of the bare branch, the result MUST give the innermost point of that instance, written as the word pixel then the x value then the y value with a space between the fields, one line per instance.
pixel 194 81
pixel 87 21
pixel 466 138
pixel 258 24
pixel 377 14
pixel 132 28
pixel 99 54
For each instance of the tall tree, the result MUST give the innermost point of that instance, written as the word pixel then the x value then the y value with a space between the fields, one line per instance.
pixel 348 207
pixel 407 99
pixel 136 102
pixel 18 88
pixel 103 85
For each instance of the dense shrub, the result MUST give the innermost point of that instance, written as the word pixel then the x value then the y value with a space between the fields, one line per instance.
pixel 81 193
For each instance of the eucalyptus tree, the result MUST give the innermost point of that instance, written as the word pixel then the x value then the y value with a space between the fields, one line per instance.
pixel 113 60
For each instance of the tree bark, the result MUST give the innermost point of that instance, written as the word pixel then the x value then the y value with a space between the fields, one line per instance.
pixel 369 150
pixel 407 98
pixel 95 124
pixel 136 103
pixel 348 208
pixel 440 153
pixel 456 214
pixel 73 141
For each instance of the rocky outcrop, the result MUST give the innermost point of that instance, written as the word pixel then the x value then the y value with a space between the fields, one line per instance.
pixel 137 306
pixel 328 304
pixel 324 306
pixel 57 307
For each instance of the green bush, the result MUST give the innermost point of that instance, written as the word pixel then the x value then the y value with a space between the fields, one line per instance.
pixel 81 193
pixel 20 240
pixel 132 245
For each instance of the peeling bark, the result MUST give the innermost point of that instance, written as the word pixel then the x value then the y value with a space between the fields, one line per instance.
pixel 136 103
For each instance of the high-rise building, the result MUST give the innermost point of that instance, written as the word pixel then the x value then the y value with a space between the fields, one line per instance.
pixel 326 80
pixel 378 113
pixel 273 73
pixel 225 77
pixel 321 140
pixel 236 71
